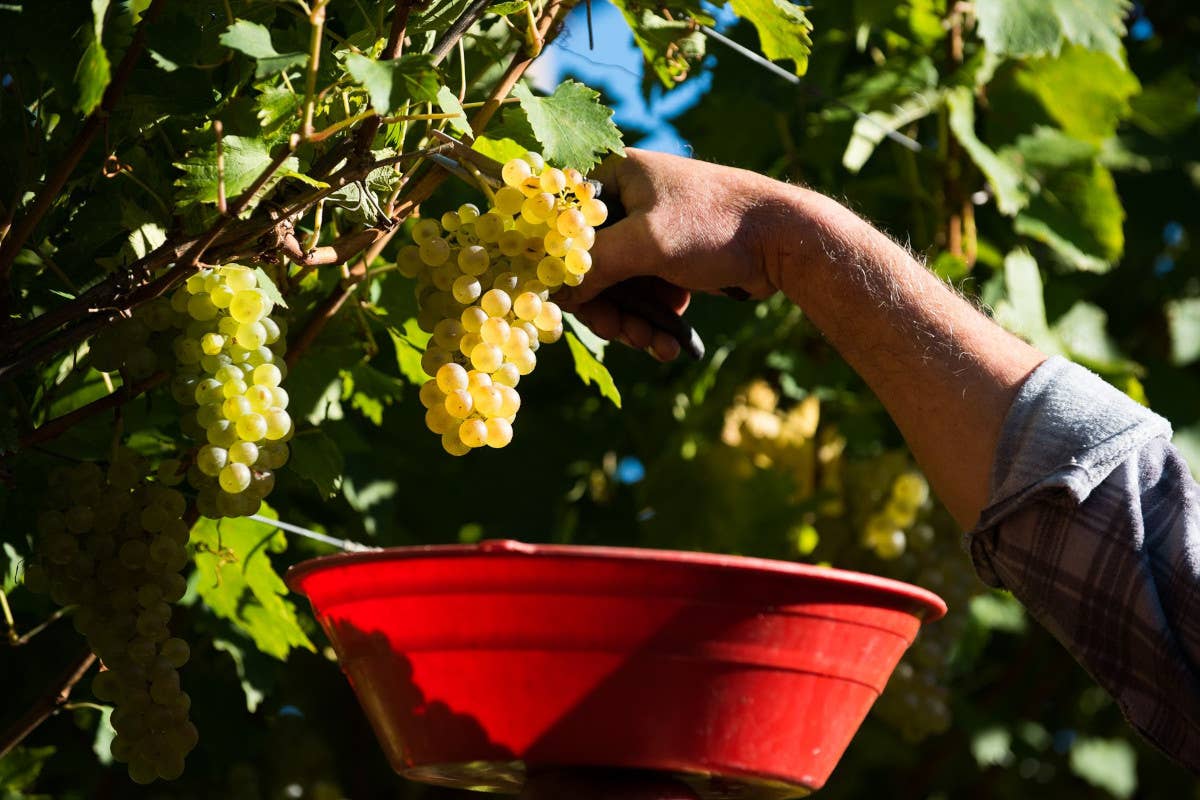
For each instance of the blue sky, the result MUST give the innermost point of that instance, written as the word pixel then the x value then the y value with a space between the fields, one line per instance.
pixel 615 66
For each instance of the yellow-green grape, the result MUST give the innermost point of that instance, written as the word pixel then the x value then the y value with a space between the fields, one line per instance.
pixel 506 282
pixel 517 341
pixel 459 403
pixel 571 279
pixel 466 289
pixel 454 445
pixel 507 374
pixel 433 359
pixel 911 489
pixel 489 227
pixel 450 221
pixel 468 343
pixel 499 432
pixel 251 335
pixel 235 478
pixel 509 200
pixel 451 378
pixel 551 271
pixel 549 317
pixel 212 343
pixel 586 239
pixel 550 336
pixel 496 303
pixel 408 261
pixel 239 278
pixel 532 333
pixel 236 407
pixel 510 401
pixel 243 453
pixel 279 424
pixel 538 207
pixel 468 212
pixel 511 243
pixel 573 177
pixel 473 260
pixel 571 223
pixel 261 398
pixel 527 306
pixel 553 180
pixel 594 212
pixel 233 388
pixel 488 400
pixel 200 307
pixel 494 332
pixel 439 420
pixel 473 318
pixel 486 357
pixel 556 244
pixel 524 360
pixel 473 433
pixel 536 162
pixel 247 306
pixel 516 172
pixel 212 459
pixel 435 251
pixel 448 333
pixel 425 230
pixel 430 394
pixel 578 262
pixel 267 375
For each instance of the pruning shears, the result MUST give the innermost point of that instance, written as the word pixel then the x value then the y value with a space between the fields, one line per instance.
pixel 474 167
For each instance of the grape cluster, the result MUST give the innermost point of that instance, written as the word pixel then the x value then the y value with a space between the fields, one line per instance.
pixel 887 530
pixel 114 546
pixel 484 283
pixel 230 367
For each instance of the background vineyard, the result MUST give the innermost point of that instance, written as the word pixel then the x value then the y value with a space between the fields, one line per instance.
pixel 1058 170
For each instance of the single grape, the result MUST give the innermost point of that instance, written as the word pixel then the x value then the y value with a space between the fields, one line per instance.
pixel 473 433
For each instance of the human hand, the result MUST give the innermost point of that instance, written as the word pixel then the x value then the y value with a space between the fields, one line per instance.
pixel 689 226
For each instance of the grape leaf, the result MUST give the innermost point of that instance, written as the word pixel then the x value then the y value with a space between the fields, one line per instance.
pixel 1005 179
pixel 1024 28
pixel 448 102
pixel 20 768
pixel 255 41
pixel 1078 214
pixel 267 284
pixel 1168 106
pixel 870 131
pixel 670 46
pixel 391 84
pixel 1085 92
pixel 245 159
pixel 253 693
pixel 1083 331
pixel 502 150
pixel 277 105
pixel 370 391
pixel 573 126
pixel 1023 310
pixel 511 7
pixel 318 458
pixel 1183 322
pixel 93 73
pixel 409 346
pixel 589 368
pixel 783 29
pixel 237 581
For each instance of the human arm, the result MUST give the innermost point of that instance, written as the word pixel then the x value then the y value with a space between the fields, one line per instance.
pixel 945 373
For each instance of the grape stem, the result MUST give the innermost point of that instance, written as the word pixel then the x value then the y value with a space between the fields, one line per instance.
pixel 55 697
pixel 21 640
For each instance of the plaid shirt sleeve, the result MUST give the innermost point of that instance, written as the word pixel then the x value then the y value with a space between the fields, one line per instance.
pixel 1094 525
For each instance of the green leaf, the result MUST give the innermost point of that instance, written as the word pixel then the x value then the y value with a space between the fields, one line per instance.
pixel 871 130
pixel 587 338
pixel 1005 179
pixel 448 102
pixel 1023 310
pixel 1050 148
pixel 277 105
pixel 1083 331
pixel 1183 322
pixel 253 694
pixel 391 84
pixel 237 581
pixel 102 741
pixel 410 345
pixel 1110 764
pixel 93 73
pixel 588 368
pixel 671 47
pixel 999 611
pixel 245 160
pixel 1025 28
pixel 504 9
pixel 502 150
pixel 783 29
pixel 1078 214
pixel 318 458
pixel 1085 92
pixel 255 41
pixel 19 769
pixel 573 126
pixel 370 391
pixel 267 284
pixel 1169 106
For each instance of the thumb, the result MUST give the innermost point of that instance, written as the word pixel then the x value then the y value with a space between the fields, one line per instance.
pixel 618 254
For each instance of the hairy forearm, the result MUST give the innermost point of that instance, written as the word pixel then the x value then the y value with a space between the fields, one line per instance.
pixel 945 372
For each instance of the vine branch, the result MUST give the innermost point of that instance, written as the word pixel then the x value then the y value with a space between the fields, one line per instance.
pixel 56 695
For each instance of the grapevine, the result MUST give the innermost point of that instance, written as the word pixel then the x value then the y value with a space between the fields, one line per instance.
pixel 484 282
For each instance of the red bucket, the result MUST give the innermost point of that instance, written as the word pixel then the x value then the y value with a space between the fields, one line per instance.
pixel 745 677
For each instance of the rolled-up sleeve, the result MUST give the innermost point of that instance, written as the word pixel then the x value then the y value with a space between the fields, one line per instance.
pixel 1093 524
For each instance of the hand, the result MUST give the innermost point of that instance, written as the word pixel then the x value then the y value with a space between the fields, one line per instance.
pixel 690 226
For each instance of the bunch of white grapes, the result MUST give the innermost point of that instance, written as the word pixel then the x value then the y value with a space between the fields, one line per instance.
pixel 229 367
pixel 886 530
pixel 113 545
pixel 484 282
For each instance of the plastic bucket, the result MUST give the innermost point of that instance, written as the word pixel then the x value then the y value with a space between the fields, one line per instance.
pixel 746 677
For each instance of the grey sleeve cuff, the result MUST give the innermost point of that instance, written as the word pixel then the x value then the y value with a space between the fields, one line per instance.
pixel 1066 431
